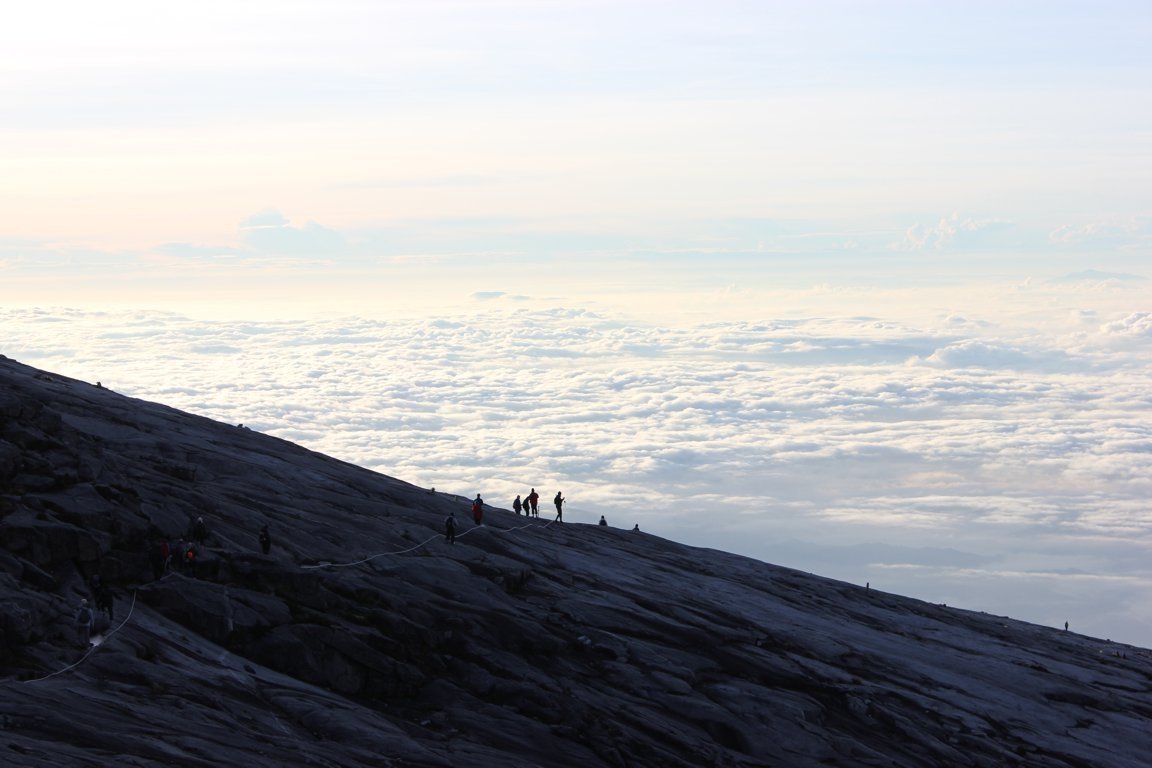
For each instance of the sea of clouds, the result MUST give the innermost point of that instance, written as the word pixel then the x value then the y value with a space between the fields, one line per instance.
pixel 991 450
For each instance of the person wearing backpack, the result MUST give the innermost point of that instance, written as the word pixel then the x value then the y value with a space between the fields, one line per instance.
pixel 478 510
pixel 450 528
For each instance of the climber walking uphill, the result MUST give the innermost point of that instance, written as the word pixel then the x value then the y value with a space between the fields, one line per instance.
pixel 478 510
pixel 83 622
pixel 533 500
pixel 450 528
pixel 559 502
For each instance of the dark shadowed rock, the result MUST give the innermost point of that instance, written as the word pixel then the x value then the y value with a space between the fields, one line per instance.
pixel 364 639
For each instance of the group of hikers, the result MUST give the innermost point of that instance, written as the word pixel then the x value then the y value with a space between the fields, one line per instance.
pixel 166 556
pixel 181 554
pixel 530 506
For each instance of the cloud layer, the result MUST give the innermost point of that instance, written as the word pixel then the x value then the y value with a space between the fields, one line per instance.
pixel 1001 458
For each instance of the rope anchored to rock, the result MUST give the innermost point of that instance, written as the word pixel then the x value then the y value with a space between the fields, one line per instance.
pixel 91 648
pixel 132 609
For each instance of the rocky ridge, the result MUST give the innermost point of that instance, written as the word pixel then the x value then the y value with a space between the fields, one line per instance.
pixel 365 639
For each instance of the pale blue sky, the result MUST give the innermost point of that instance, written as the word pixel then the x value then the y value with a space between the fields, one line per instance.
pixel 135 143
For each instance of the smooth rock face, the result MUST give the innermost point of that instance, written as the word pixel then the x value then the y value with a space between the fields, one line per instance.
pixel 364 639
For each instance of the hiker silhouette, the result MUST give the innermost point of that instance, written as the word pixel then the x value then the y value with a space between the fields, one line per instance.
pixel 84 621
pixel 199 531
pixel 105 600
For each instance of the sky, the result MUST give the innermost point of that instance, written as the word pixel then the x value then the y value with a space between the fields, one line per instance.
pixel 855 287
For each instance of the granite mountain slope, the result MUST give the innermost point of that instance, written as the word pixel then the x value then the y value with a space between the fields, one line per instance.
pixel 365 639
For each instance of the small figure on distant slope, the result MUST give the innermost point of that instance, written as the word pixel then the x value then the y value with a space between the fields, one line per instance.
pixel 478 510
pixel 105 600
pixel 516 505
pixel 559 502
pixel 534 502
pixel 158 557
pixel 84 621
pixel 265 539
pixel 450 528
pixel 199 531
pixel 603 521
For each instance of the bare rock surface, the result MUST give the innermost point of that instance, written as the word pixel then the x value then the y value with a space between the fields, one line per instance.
pixel 363 638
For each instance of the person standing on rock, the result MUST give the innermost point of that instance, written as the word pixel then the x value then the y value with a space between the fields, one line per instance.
pixel 603 521
pixel 516 505
pixel 84 621
pixel 559 502
pixel 478 510
pixel 450 528
pixel 190 560
pixel 199 531
pixel 265 539
pixel 105 600
pixel 534 501
pixel 158 557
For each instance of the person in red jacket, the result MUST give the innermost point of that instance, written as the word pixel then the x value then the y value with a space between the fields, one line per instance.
pixel 478 510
